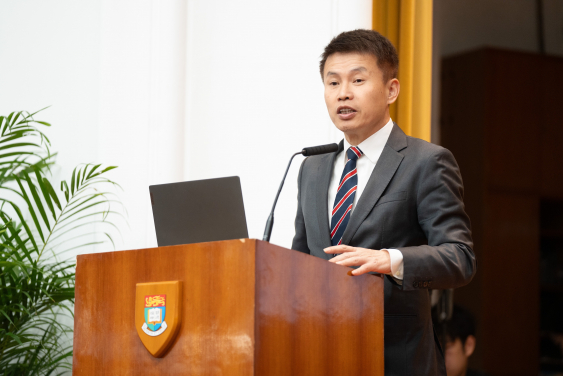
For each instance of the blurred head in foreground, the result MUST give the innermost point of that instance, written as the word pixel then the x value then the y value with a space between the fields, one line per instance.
pixel 459 335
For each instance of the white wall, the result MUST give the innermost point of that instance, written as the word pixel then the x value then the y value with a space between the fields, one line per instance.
pixel 255 95
pixel 142 91
pixel 177 90
pixel 50 57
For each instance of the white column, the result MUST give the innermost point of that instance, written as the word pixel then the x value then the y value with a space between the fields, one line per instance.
pixel 142 103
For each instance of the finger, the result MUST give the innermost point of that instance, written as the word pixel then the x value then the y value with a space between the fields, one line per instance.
pixel 359 252
pixel 354 261
pixel 343 256
pixel 363 269
pixel 339 249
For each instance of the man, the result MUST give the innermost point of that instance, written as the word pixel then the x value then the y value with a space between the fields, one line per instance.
pixel 459 335
pixel 384 202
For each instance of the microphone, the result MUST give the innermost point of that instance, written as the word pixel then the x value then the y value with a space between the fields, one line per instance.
pixel 321 149
pixel 307 152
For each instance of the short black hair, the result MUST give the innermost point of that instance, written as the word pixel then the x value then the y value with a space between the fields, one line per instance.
pixel 365 42
pixel 461 325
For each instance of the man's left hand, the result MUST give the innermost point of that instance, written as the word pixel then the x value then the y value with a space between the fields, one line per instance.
pixel 368 260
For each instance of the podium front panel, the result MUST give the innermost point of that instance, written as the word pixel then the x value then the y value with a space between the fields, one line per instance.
pixel 217 327
pixel 247 308
pixel 314 318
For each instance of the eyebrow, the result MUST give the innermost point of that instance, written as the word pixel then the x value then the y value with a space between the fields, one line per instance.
pixel 358 69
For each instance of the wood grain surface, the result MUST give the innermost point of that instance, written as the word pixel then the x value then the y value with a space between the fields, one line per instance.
pixel 249 308
pixel 314 318
pixel 217 328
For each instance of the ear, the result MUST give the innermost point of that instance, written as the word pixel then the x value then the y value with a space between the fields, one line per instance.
pixel 393 88
pixel 469 345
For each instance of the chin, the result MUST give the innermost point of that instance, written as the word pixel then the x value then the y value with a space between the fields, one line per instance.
pixel 347 127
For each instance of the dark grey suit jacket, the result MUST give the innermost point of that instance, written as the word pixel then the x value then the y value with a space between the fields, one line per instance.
pixel 413 202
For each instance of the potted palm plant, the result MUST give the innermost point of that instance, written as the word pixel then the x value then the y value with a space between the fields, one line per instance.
pixel 39 226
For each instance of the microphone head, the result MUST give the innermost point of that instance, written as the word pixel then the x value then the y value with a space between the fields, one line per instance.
pixel 321 149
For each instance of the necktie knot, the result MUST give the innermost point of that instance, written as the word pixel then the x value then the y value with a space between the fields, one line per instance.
pixel 354 153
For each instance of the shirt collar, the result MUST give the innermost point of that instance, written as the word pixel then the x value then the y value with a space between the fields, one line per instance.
pixel 374 144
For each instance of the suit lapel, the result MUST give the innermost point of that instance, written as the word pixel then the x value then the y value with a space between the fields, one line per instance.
pixel 322 182
pixel 382 174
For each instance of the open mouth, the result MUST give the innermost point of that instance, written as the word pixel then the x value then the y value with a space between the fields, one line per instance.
pixel 345 110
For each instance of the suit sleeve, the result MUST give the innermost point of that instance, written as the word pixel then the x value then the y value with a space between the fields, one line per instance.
pixel 300 239
pixel 448 260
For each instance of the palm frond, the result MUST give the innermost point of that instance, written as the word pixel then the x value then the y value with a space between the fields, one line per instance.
pixel 38 226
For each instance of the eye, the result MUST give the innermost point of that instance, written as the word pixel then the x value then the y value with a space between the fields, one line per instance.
pixel 333 83
pixel 358 80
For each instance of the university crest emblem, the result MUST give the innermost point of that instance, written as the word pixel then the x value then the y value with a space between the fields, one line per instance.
pixel 155 311
pixel 158 314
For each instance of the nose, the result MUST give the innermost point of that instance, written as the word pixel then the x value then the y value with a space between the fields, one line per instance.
pixel 345 92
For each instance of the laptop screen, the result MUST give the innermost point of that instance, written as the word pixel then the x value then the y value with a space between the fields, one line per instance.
pixel 198 211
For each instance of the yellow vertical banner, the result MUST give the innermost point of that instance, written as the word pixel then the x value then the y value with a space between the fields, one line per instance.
pixel 408 25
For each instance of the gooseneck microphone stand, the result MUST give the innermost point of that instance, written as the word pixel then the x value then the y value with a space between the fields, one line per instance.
pixel 313 150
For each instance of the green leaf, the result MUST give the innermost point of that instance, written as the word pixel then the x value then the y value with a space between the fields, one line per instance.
pixel 64 189
pixel 31 211
pixel 93 170
pixel 46 194
pixel 17 145
pixel 38 202
pixel 15 337
pixel 16 153
pixel 15 118
pixel 7 264
pixel 108 169
pixel 78 179
pixel 72 181
pixel 44 108
pixel 52 192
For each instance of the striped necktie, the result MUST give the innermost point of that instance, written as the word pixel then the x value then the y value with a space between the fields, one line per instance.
pixel 345 194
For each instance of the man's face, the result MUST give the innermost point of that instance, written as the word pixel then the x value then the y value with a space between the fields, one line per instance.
pixel 356 96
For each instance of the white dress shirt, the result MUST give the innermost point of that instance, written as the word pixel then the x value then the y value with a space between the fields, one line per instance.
pixel 372 147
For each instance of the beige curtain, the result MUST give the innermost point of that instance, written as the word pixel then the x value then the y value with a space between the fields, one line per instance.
pixel 408 25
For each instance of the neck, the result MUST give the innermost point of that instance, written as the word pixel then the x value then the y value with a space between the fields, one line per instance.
pixel 355 139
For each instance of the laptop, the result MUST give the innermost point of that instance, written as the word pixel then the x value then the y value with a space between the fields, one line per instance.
pixel 198 211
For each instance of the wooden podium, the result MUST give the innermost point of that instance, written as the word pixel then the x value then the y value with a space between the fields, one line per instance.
pixel 247 308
